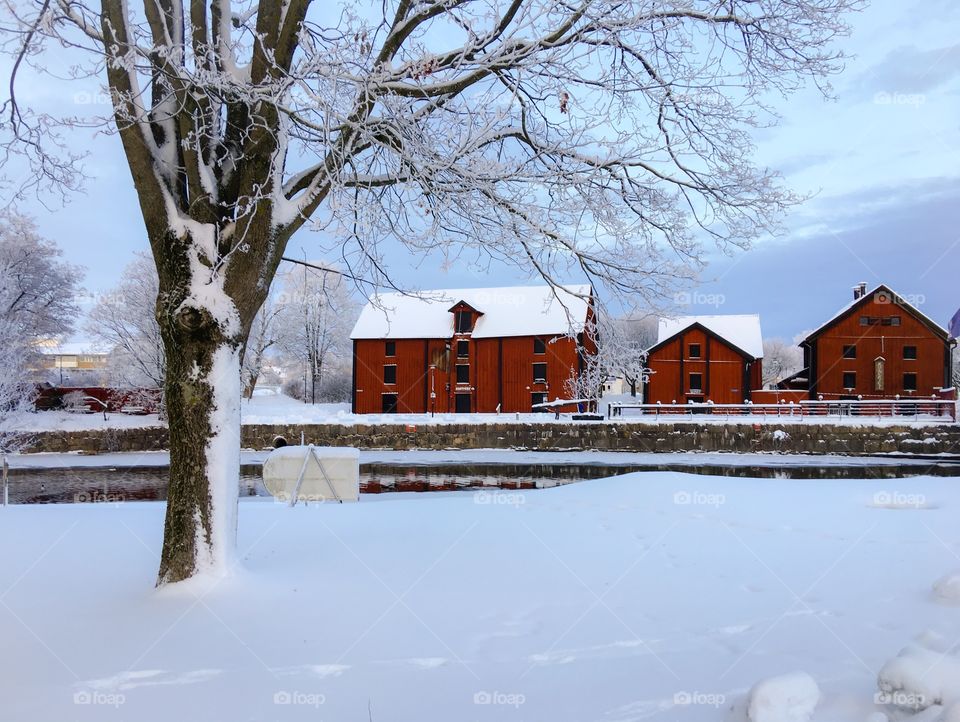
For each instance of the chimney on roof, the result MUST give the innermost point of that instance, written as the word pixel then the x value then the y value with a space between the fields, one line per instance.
pixel 860 290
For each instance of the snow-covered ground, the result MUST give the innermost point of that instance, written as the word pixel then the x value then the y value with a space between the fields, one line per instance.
pixel 280 409
pixel 658 596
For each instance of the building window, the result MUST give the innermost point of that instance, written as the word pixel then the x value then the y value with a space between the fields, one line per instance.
pixel 464 321
pixel 463 349
pixel 539 373
pixel 390 348
pixel 696 383
pixel 388 403
pixel 909 353
pixel 849 379
pixel 694 350
pixel 463 374
pixel 849 351
pixel 910 381
pixel 390 374
pixel 539 346
pixel 879 321
pixel 538 397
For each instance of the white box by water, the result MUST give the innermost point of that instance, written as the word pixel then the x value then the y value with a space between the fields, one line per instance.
pixel 329 473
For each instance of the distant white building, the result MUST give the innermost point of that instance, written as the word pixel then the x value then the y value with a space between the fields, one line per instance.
pixel 61 362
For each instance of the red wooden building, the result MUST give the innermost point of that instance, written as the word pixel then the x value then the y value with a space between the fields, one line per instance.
pixel 705 358
pixel 469 350
pixel 878 346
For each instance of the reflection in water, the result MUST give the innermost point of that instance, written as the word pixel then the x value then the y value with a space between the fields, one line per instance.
pixel 144 483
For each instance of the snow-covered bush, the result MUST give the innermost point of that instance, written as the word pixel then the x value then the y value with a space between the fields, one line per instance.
pixel 787 698
pixel 947 588
pixel 920 677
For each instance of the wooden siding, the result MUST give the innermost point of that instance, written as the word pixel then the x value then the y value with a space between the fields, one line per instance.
pixel 727 376
pixel 828 365
pixel 501 373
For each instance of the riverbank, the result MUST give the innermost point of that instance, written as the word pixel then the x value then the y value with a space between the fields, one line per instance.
pixel 791 438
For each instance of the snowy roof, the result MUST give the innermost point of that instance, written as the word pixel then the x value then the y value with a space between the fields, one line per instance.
pixel 74 348
pixel 743 331
pixel 507 311
pixel 901 300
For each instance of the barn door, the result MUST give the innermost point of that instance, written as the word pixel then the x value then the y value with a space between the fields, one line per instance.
pixel 462 403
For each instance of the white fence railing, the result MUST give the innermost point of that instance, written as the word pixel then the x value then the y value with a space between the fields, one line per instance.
pixel 899 409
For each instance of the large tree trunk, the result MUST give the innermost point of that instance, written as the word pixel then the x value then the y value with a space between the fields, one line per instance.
pixel 203 403
pixel 202 389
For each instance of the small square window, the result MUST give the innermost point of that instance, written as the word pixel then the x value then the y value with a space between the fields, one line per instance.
pixel 849 351
pixel 539 372
pixel 463 349
pixel 910 381
pixel 390 348
pixel 538 397
pixel 849 379
pixel 696 382
pixel 390 374
pixel 463 374
pixel 694 350
pixel 539 346
pixel 910 353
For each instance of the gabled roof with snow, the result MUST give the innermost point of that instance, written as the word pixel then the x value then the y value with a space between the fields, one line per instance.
pixel 741 331
pixel 867 297
pixel 506 311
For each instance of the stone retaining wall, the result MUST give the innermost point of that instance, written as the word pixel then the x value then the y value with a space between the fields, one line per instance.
pixel 787 438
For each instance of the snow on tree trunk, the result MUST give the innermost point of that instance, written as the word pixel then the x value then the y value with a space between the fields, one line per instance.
pixel 203 329
pixel 203 402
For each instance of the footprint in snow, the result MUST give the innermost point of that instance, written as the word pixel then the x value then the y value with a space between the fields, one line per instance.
pixel 426 662
pixel 735 629
pixel 321 671
pixel 149 678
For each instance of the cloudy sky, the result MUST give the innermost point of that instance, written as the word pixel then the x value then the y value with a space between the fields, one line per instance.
pixel 881 162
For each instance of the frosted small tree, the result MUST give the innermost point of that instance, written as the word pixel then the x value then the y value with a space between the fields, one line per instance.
pixel 622 345
pixel 780 360
pixel 124 320
pixel 598 138
pixel 263 337
pixel 38 293
pixel 15 388
pixel 316 314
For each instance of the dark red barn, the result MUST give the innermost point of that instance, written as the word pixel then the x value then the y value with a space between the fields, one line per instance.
pixel 878 346
pixel 469 350
pixel 705 358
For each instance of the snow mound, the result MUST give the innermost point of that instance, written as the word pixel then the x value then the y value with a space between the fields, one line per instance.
pixel 920 677
pixel 947 589
pixel 787 698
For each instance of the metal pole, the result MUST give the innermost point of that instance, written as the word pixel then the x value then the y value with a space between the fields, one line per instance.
pixel 6 486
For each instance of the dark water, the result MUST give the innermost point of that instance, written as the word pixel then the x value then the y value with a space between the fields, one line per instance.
pixel 146 483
